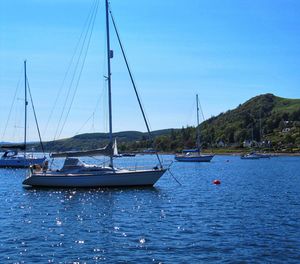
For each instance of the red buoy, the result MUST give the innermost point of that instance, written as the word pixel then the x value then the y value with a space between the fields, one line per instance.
pixel 216 182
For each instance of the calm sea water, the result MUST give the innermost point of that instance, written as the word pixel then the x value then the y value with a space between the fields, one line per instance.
pixel 252 217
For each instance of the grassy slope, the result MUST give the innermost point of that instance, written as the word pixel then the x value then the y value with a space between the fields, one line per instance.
pixel 266 110
pixel 286 105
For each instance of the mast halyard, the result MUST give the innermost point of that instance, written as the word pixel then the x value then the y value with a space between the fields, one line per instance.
pixel 198 132
pixel 109 53
pixel 26 103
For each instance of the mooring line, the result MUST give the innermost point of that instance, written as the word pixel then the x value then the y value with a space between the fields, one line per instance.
pixel 174 176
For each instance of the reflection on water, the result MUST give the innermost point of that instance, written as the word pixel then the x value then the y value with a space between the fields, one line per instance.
pixel 252 216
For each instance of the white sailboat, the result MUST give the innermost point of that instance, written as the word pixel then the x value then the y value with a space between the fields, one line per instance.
pixel 250 156
pixel 11 157
pixel 75 173
pixel 255 155
pixel 194 155
pixel 115 148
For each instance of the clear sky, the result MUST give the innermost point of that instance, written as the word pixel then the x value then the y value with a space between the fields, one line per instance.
pixel 227 51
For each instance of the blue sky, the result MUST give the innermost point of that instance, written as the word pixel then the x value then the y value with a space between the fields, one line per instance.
pixel 227 51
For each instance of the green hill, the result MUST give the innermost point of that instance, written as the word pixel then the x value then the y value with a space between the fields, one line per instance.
pixel 264 117
pixel 265 121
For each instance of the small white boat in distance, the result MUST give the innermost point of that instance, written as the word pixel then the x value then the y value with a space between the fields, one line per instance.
pixel 194 155
pixel 11 157
pixel 116 152
pixel 256 155
pixel 251 156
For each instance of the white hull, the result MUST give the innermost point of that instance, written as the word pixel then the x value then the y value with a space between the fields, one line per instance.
pixel 95 179
pixel 20 162
pixel 196 158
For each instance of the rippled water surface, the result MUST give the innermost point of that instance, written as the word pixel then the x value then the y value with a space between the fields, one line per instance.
pixel 252 217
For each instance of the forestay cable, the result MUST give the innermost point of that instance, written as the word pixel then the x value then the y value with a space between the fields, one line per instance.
pixel 35 117
pixel 134 85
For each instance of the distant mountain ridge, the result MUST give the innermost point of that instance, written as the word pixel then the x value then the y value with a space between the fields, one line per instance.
pixel 97 140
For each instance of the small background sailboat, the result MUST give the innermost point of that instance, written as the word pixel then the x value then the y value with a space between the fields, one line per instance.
pixel 115 148
pixel 194 155
pixel 257 154
pixel 11 157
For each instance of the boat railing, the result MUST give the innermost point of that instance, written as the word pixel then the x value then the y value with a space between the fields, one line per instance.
pixel 166 165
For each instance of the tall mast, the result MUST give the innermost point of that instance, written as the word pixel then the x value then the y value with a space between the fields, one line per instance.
pixel 109 53
pixel 198 132
pixel 26 103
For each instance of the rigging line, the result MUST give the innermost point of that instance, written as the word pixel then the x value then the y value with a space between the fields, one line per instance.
pixel 76 67
pixel 68 70
pixel 35 117
pixel 100 97
pixel 93 123
pixel 93 113
pixel 200 106
pixel 17 117
pixel 174 177
pixel 140 101
pixel 75 70
pixel 11 106
pixel 190 117
pixel 97 105
pixel 90 117
pixel 81 69
pixel 133 84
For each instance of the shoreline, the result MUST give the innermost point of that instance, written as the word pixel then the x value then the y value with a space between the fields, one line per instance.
pixel 238 153
pixel 221 153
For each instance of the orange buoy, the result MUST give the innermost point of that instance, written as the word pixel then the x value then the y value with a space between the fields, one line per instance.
pixel 216 182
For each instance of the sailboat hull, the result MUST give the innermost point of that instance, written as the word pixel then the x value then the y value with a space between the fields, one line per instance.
pixel 95 179
pixel 200 158
pixel 255 156
pixel 20 162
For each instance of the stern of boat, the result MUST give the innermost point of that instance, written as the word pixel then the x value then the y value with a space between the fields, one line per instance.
pixel 32 170
pixel 28 175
